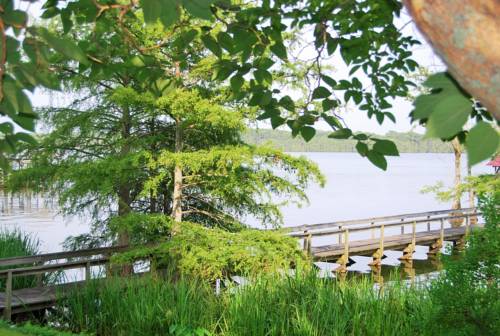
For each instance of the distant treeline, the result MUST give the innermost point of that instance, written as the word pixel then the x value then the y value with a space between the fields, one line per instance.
pixel 408 142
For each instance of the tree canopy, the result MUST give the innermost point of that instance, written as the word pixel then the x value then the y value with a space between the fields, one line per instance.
pixel 132 141
pixel 249 41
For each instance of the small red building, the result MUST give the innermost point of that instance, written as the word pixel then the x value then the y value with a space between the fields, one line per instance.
pixel 495 163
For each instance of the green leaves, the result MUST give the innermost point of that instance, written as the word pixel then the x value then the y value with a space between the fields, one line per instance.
pixel 343 133
pixel 377 159
pixel 15 18
pixel 362 148
pixel 482 142
pixel 279 50
pixel 385 147
pixel 152 9
pixel 424 105
pixel 287 103
pixel 212 45
pixel 199 8
pixel 236 83
pixel 225 41
pixel 448 116
pixel 321 92
pixel 167 11
pixel 63 45
pixel 445 111
pixel 307 133
pixel 263 77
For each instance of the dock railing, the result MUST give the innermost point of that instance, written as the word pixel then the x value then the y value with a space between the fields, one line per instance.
pixel 376 229
pixel 41 264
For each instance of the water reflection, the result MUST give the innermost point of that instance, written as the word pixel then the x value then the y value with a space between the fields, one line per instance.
pixel 38 215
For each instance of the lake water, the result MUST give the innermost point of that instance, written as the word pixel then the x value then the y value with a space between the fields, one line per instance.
pixel 355 189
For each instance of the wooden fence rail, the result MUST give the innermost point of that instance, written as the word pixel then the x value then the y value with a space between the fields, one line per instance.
pixel 309 233
pixel 374 220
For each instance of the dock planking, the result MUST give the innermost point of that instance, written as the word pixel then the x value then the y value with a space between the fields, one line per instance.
pixel 367 247
pixel 32 299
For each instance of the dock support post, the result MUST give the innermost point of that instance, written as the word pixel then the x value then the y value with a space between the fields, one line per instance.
pixel 435 247
pixel 408 268
pixel 377 275
pixel 87 271
pixel 39 276
pixel 410 249
pixel 378 255
pixel 307 243
pixel 344 259
pixel 7 312
pixel 460 243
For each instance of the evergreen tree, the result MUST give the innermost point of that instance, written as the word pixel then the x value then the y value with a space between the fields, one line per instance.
pixel 156 136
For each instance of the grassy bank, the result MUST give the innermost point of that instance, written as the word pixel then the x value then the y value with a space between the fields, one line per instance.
pixel 30 330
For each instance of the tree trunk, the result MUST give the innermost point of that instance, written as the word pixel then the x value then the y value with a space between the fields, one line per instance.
pixel 472 197
pixel 152 197
pixel 466 34
pixel 124 192
pixel 177 195
pixel 457 151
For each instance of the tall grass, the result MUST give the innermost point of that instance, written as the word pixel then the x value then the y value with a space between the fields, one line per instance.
pixel 307 305
pixel 140 306
pixel 16 243
pixel 273 305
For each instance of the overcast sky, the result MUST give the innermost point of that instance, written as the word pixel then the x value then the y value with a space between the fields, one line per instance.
pixel 357 120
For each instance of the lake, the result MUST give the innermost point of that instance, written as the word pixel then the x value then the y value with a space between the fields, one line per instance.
pixel 355 189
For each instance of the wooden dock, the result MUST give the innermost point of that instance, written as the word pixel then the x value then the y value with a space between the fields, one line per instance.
pixel 31 299
pixel 453 225
pixel 343 239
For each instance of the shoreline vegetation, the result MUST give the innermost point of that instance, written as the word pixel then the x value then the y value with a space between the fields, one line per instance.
pixel 407 142
pixel 462 300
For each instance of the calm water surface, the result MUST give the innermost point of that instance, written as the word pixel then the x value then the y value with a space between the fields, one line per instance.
pixel 355 189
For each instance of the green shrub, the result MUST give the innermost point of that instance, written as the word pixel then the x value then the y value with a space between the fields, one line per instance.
pixel 211 253
pixel 467 295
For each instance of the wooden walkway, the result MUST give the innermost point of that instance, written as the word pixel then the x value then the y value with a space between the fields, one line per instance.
pixel 350 237
pixel 40 297
pixel 367 247
pixel 33 299
pixel 339 241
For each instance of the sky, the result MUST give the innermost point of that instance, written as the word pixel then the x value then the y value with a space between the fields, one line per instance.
pixel 355 119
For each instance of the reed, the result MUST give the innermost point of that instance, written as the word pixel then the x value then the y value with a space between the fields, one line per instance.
pixel 16 243
pixel 138 306
pixel 270 305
